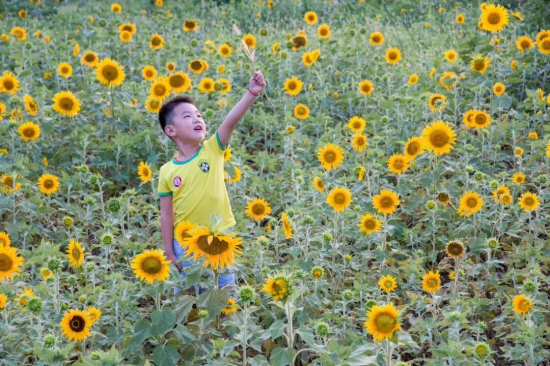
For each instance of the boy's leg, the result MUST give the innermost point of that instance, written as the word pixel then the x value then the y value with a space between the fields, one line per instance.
pixel 179 252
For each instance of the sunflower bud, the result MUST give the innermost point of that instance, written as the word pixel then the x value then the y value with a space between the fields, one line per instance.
pixel 53 264
pixel 321 328
pixel 348 257
pixel 93 180
pixel 478 176
pixel 89 200
pixel 194 43
pixel 543 179
pixel 469 169
pixel 283 55
pixel 263 32
pixel 300 179
pixel 327 237
pixel 430 205
pixel 68 221
pixel 265 271
pixel 114 205
pixel 90 266
pixel 299 273
pixel 347 295
pixel 263 241
pixel 102 23
pixel 247 293
pixel 481 350
pixel 107 239
pixel 64 306
pixel 529 286
pixel 493 184
pixel 71 280
pixel 82 298
pixel 35 305
pixel 308 220
pixel 49 340
pixel 492 243
pixel 203 314
pixel 369 304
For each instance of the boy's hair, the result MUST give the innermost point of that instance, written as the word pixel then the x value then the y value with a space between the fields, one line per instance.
pixel 168 107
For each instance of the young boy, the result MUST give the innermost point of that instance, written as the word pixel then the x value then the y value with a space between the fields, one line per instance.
pixel 191 186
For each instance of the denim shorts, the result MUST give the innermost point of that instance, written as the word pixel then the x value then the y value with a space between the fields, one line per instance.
pixel 224 279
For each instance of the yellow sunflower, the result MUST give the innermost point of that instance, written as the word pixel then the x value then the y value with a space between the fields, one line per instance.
pixel 217 250
pixel 76 325
pixel 323 31
pixel 524 43
pixel 125 36
pixel 46 273
pixel 518 178
pixel 152 104
pixel 499 192
pixel 19 33
pixel 230 308
pixel 451 56
pixel 368 224
pixel 151 265
pixel 170 66
pixel 460 19
pixel 160 89
pixel 366 87
pixel 521 304
pixel 470 203
pixel 544 46
pixel 9 83
pixel 24 298
pixel 339 198
pixel 225 85
pixel 393 55
pixel 431 281
pixel 444 198
pixel 376 39
pixel 225 50
pixel 5 240
pixel 116 8
pixel 149 73
pixel 432 72
pixel 250 41
pixel 156 42
pixel 110 73
pixel 480 64
pixel 357 124
pixel 144 172
pixel 448 80
pixel 258 209
pixel 481 120
pixel 398 164
pixel 181 232
pixel 499 89
pixel 359 142
pixel 361 174
pixel 439 137
pixel 3 300
pixel 386 202
pixel 48 184
pixel 227 154
pixel 310 17
pixel 206 85
pixel 66 104
pixel 382 322
pixel 277 287
pixel 89 59
pixel 413 79
pixel 455 249
pixel 287 227
pixel 30 105
pixel 330 156
pixel 293 86
pixel 318 184
pixel 387 284
pixel 94 314
pixel 29 131
pixel 301 111
pixel 529 201
pixel 128 27
pixel 468 118
pixel 437 102
pixel 65 70
pixel 494 18
pixel 190 25
pixel 179 82
pixel 75 254
pixel 8 185
pixel 414 147
pixel 10 262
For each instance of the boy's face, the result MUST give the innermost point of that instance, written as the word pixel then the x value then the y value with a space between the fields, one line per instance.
pixel 187 124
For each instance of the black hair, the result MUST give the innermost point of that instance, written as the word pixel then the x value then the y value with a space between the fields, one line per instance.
pixel 168 107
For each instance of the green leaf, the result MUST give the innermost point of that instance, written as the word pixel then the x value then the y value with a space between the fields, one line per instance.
pixel 163 321
pixel 166 355
pixel 307 335
pixel 142 331
pixel 282 356
pixel 276 330
pixel 213 300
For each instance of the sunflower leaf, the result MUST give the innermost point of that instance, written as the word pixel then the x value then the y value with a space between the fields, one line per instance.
pixel 213 300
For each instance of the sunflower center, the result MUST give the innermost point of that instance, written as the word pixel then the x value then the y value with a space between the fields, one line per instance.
pixel 160 90
pixel 360 141
pixel 151 265
pixel 177 81
pixel 156 41
pixel 398 164
pixel 432 283
pixel 77 323
pixel 529 201
pixel 471 202
pixel 330 157
pixel 76 253
pixel 110 72
pixel 8 84
pixel 216 247
pixel 385 323
pixel 207 86
pixel 480 119
pixel 28 132
pixel 339 198
pixel 493 18
pixel 5 262
pixel 455 249
pixel 524 305
pixel 323 32
pixel 48 184
pixel 412 149
pixel 369 224
pixel 292 85
pixel 301 111
pixel 258 209
pixel 89 58
pixel 8 181
pixel 545 44
pixel 525 44
pixel 154 103
pixel 277 289
pixel 479 65
pixel 388 284
pixel 439 138
pixel 190 25
pixel 392 55
pixel 499 89
pixel 66 104
pixel 386 202
pixel 366 88
pixel 64 70
pixel 376 39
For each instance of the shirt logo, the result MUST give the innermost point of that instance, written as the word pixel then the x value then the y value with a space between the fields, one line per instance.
pixel 203 165
pixel 177 181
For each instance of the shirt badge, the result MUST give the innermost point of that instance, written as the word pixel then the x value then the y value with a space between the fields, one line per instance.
pixel 203 165
pixel 177 181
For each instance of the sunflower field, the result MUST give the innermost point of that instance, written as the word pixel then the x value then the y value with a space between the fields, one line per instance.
pixel 391 185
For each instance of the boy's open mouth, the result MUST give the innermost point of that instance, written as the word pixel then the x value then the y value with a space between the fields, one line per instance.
pixel 198 128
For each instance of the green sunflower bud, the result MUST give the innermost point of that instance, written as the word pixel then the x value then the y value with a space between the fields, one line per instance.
pixel 203 314
pixel 430 205
pixel 49 340
pixel 68 221
pixel 114 205
pixel 107 239
pixel 529 286
pixel 35 305
pixel 308 220
pixel 299 273
pixel 71 280
pixel 247 293
pixel 347 295
pixel 369 304
pixel 327 237
pixel 482 350
pixel 322 329
pixel 53 264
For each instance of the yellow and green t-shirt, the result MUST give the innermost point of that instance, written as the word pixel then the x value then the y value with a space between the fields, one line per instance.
pixel 197 186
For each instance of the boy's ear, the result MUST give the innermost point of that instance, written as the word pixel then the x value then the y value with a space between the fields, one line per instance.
pixel 169 130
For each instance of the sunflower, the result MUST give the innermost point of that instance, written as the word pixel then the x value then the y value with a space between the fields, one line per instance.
pixel 181 232
pixel 529 201
pixel 230 308
pixel 506 199
pixel 501 190
pixel 179 82
pixel 206 85
pixel 225 85
pixel 301 111
pixel 518 178
pixel 386 202
pixel 323 31
pixel 48 184
pixel 9 83
pixel 494 18
pixel 225 50
pixel 149 73
pixel 448 80
pixel 237 177
pixel 431 281
pixel 89 59
pixel 76 325
pixel 361 174
pixel 439 137
pixel 125 36
pixel 444 198
pixel 24 298
pixel 521 304
pixel 66 104
pixel 258 209
pixel 127 27
pixel 523 43
pixel 293 86
pixel 470 203
pixel 152 104
pixel 156 41
pixel 19 33
pixel 310 17
pixel 318 184
pixel 413 79
pixel 218 250
pixel 279 287
pixel 29 131
pixel 455 249
pixel 480 64
pixel 339 198
pixel 3 300
pixel 499 89
pixel 542 35
pixel 46 273
pixel 376 39
pixel 144 172
pixel 330 156
pixel 414 147
pixel 110 73
pixel 317 272
pixel 7 184
pixel 190 25
pixel 382 322
pixel 398 164
pixel 75 254
pixel 94 314
pixel 368 224
pixel 287 227
pixel 387 284
pixel 366 87
pixel 468 118
pixel 275 48
pixel 2 110
pixel 151 265
pixel 460 19
pixel 227 154
pixel 65 70
pixel 30 105
pixel 5 240
pixel 437 102
pixel 359 142
pixel 10 262
pixel 250 41
pixel 481 120
pixel 357 124
pixel 393 55
pixel 300 41
pixel 116 8
pixel 160 89
pixel 451 56
pixel 432 72
pixel 544 46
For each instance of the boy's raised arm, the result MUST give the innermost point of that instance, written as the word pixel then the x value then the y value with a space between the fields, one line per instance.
pixel 257 84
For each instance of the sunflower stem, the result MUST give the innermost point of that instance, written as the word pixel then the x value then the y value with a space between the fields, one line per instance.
pixel 244 333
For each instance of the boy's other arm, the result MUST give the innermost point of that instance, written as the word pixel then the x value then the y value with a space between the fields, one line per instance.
pixel 234 116
pixel 167 229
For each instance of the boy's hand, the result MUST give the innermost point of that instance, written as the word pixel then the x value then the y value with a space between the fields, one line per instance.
pixel 174 261
pixel 257 82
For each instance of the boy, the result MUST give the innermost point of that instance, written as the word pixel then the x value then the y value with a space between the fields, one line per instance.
pixel 191 186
